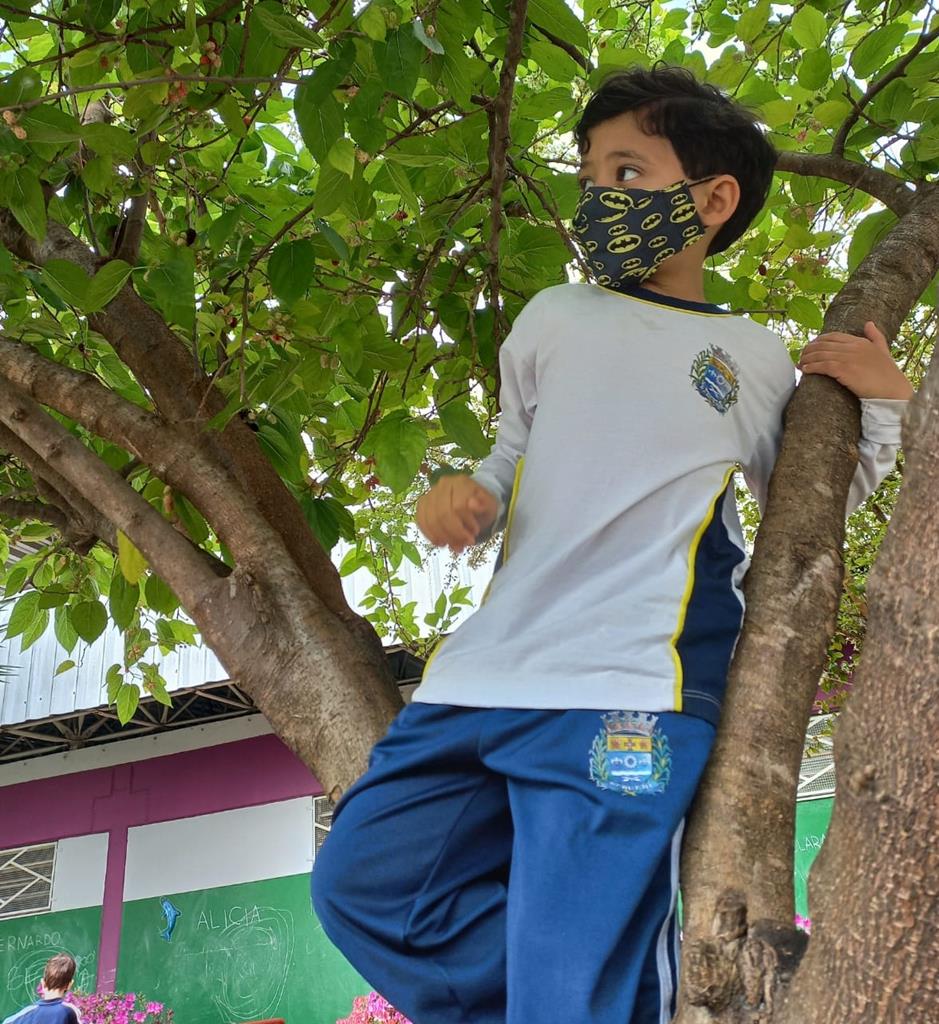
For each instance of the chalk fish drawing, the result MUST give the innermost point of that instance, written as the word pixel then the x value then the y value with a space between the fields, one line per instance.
pixel 171 914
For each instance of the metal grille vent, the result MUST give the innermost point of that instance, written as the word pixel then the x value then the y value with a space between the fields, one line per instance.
pixel 26 880
pixel 817 774
pixel 322 820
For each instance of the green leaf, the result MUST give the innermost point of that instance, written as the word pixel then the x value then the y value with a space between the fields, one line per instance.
pixel 159 596
pixel 554 61
pixel 98 174
pixel 320 123
pixel 68 281
pixel 24 613
pixel 398 444
pixel 49 124
pixel 64 666
pixel 26 201
pixel 109 140
pixel 115 680
pixel 222 229
pixel 133 564
pixel 814 69
pixel 558 18
pixel 429 41
pixel 805 312
pixel 342 156
pixel 285 29
pixel 128 697
pixel 753 21
pixel 461 426
pixel 100 13
pixel 106 283
pixel 372 22
pixel 809 26
pixel 867 234
pixel 399 60
pixel 231 115
pixel 122 599
pixel 34 630
pixel 290 269
pixel 63 628
pixel 89 619
pixel 874 49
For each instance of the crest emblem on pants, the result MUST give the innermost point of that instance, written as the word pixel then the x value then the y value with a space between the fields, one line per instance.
pixel 631 754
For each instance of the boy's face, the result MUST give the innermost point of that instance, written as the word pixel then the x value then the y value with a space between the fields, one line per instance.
pixel 620 154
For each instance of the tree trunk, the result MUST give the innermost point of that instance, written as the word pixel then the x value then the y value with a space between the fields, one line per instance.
pixel 874 953
pixel 740 941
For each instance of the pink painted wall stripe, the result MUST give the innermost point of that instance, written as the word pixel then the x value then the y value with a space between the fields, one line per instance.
pixel 244 773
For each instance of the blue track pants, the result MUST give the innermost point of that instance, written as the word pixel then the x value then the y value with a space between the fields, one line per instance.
pixel 500 866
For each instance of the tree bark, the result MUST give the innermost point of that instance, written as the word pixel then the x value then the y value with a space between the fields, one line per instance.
pixel 740 942
pixel 874 952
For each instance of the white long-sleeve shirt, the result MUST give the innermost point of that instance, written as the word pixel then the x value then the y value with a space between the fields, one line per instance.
pixel 623 420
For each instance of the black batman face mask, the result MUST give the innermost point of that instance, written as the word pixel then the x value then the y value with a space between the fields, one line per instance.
pixel 627 233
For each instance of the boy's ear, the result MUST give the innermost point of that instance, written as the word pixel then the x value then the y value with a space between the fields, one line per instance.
pixel 716 207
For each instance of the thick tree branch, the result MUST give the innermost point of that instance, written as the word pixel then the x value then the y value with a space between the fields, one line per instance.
pixel 893 192
pixel 499 144
pixel 56 490
pixel 11 508
pixel 163 365
pixel 172 456
pixel 837 146
pixel 168 552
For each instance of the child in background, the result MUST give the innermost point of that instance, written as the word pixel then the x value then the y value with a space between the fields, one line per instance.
pixel 51 1008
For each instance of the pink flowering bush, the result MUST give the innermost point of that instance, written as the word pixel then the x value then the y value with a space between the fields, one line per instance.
pixel 115 1008
pixel 373 1009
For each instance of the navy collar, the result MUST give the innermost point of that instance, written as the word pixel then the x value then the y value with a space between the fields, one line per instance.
pixel 648 295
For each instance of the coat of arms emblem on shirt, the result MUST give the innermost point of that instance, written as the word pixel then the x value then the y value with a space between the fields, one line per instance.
pixel 715 378
pixel 631 754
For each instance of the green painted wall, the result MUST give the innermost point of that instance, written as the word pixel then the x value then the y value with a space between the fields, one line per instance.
pixel 237 953
pixel 26 943
pixel 812 818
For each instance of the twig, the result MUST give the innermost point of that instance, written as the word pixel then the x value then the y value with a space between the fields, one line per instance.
pixel 837 147
pixel 162 79
pixel 568 48
pixel 498 149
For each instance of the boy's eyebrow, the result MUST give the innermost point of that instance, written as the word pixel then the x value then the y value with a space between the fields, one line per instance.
pixel 629 154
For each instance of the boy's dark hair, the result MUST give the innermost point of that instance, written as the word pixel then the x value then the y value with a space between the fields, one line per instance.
pixel 710 133
pixel 59 972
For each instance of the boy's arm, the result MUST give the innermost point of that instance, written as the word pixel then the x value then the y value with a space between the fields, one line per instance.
pixel 517 401
pixel 866 368
pixel 460 510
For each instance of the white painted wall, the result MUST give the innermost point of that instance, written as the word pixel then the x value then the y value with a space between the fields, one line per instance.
pixel 244 845
pixel 79 872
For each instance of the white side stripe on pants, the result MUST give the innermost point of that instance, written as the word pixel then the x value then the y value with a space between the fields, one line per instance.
pixel 668 981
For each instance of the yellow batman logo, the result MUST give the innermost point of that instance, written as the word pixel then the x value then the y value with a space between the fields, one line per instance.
pixel 652 222
pixel 624 244
pixel 683 213
pixel 641 204
pixel 692 231
pixel 658 241
pixel 663 255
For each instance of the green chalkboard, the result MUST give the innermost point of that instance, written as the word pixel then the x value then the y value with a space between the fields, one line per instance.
pixel 812 818
pixel 26 943
pixel 236 953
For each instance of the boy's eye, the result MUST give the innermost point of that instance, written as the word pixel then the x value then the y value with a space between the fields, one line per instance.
pixel 623 171
pixel 585 183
